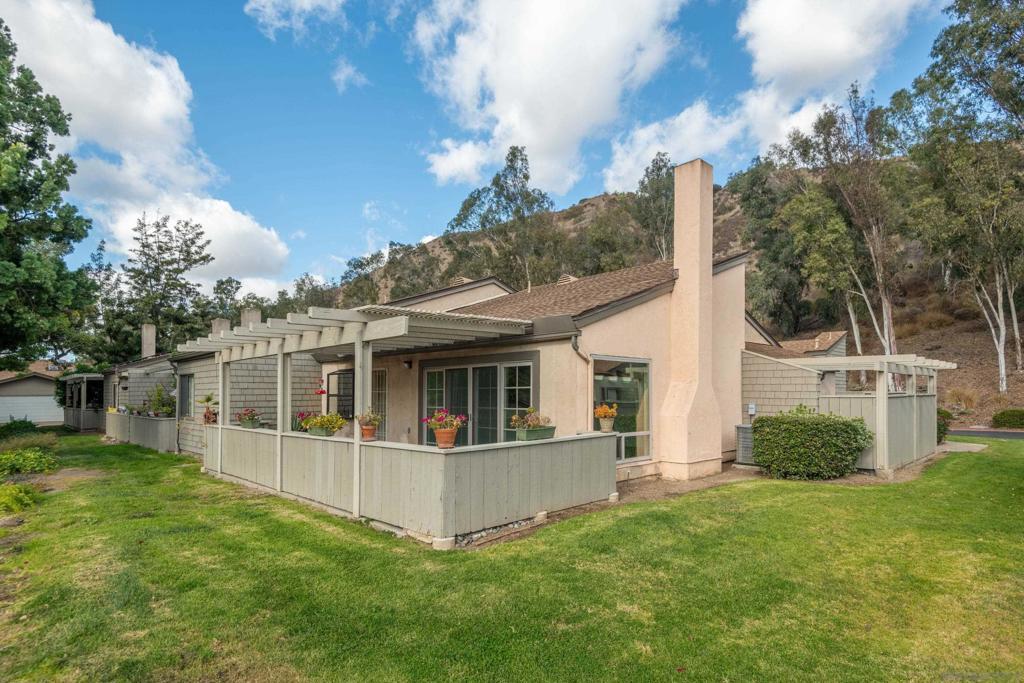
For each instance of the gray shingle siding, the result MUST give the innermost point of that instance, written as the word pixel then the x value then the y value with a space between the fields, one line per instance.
pixel 774 387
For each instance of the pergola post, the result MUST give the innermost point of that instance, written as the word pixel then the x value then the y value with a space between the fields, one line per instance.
pixel 81 406
pixel 224 389
pixel 882 416
pixel 359 391
pixel 914 400
pixel 283 390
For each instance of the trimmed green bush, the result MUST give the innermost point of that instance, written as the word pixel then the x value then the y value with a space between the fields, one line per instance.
pixel 943 419
pixel 44 440
pixel 801 444
pixel 1012 418
pixel 16 427
pixel 26 461
pixel 16 497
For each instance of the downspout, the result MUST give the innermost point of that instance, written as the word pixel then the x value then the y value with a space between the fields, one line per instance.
pixel 177 406
pixel 588 386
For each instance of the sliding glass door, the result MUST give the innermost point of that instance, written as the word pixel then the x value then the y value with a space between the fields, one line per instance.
pixel 488 394
pixel 485 404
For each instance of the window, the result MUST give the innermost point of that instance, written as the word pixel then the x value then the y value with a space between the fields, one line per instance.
pixel 518 394
pixel 627 383
pixel 341 393
pixel 186 396
pixel 379 401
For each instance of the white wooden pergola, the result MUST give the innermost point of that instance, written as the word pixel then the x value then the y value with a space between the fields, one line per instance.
pixel 355 332
pixel 892 437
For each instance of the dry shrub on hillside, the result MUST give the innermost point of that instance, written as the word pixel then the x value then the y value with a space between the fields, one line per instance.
pixel 934 320
pixel 961 398
pixel 966 313
pixel 904 330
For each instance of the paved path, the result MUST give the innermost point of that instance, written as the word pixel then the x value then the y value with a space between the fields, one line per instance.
pixel 989 433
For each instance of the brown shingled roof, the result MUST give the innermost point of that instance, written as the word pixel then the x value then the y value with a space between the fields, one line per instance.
pixel 38 368
pixel 577 297
pixel 822 342
pixel 773 351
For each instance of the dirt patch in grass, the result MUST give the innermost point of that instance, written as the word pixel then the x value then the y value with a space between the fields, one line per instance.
pixel 60 480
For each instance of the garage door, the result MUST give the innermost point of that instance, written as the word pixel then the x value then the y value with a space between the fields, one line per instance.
pixel 39 409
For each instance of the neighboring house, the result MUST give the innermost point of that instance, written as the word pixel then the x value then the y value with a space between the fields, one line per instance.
pixel 29 394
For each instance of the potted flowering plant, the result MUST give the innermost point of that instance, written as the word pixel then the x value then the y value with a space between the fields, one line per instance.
pixel 249 418
pixel 368 423
pixel 324 425
pixel 445 425
pixel 209 404
pixel 299 419
pixel 531 426
pixel 605 414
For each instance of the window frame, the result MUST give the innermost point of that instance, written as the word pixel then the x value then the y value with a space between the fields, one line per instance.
pixel 186 399
pixel 337 396
pixel 380 407
pixel 426 438
pixel 620 449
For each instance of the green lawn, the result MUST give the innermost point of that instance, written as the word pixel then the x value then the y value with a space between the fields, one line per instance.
pixel 154 571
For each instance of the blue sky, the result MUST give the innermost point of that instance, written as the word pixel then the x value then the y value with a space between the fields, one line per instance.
pixel 304 132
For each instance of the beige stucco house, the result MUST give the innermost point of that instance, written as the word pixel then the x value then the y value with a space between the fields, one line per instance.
pixel 670 343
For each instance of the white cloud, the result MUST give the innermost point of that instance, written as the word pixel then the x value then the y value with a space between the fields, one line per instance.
pixel 804 46
pixel 371 211
pixel 294 15
pixel 131 133
pixel 536 73
pixel 691 133
pixel 805 53
pixel 427 238
pixel 345 75
pixel 299 235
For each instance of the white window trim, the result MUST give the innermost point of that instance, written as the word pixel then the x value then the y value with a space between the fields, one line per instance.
pixel 385 413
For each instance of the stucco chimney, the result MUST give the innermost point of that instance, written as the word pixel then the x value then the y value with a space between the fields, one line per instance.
pixel 690 444
pixel 218 325
pixel 148 340
pixel 251 315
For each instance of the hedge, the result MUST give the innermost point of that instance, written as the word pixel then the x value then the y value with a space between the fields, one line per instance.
pixel 943 418
pixel 1012 418
pixel 16 427
pixel 805 445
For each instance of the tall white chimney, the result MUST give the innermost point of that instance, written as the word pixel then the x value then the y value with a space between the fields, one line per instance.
pixel 148 340
pixel 690 441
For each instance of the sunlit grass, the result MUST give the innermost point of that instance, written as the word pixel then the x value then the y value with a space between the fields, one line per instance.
pixel 154 571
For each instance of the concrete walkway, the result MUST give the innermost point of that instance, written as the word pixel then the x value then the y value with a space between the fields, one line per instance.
pixel 989 433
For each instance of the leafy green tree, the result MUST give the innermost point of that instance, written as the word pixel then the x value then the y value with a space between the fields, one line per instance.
pixel 978 61
pixel 358 286
pixel 41 300
pixel 828 250
pixel 960 124
pixel 848 150
pixel 506 229
pixel 653 206
pixel 609 243
pixel 225 298
pixel 778 287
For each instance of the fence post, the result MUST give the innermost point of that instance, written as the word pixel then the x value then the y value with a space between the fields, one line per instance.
pixel 282 391
pixel 358 389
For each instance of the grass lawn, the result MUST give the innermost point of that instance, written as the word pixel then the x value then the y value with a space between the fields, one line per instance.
pixel 153 571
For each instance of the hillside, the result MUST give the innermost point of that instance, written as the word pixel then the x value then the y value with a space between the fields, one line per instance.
pixel 928 323
pixel 579 218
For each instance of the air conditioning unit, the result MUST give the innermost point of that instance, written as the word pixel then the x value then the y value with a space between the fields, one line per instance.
pixel 744 445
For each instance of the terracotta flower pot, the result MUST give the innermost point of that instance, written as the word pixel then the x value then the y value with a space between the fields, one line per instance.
pixel 607 424
pixel 445 437
pixel 369 432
